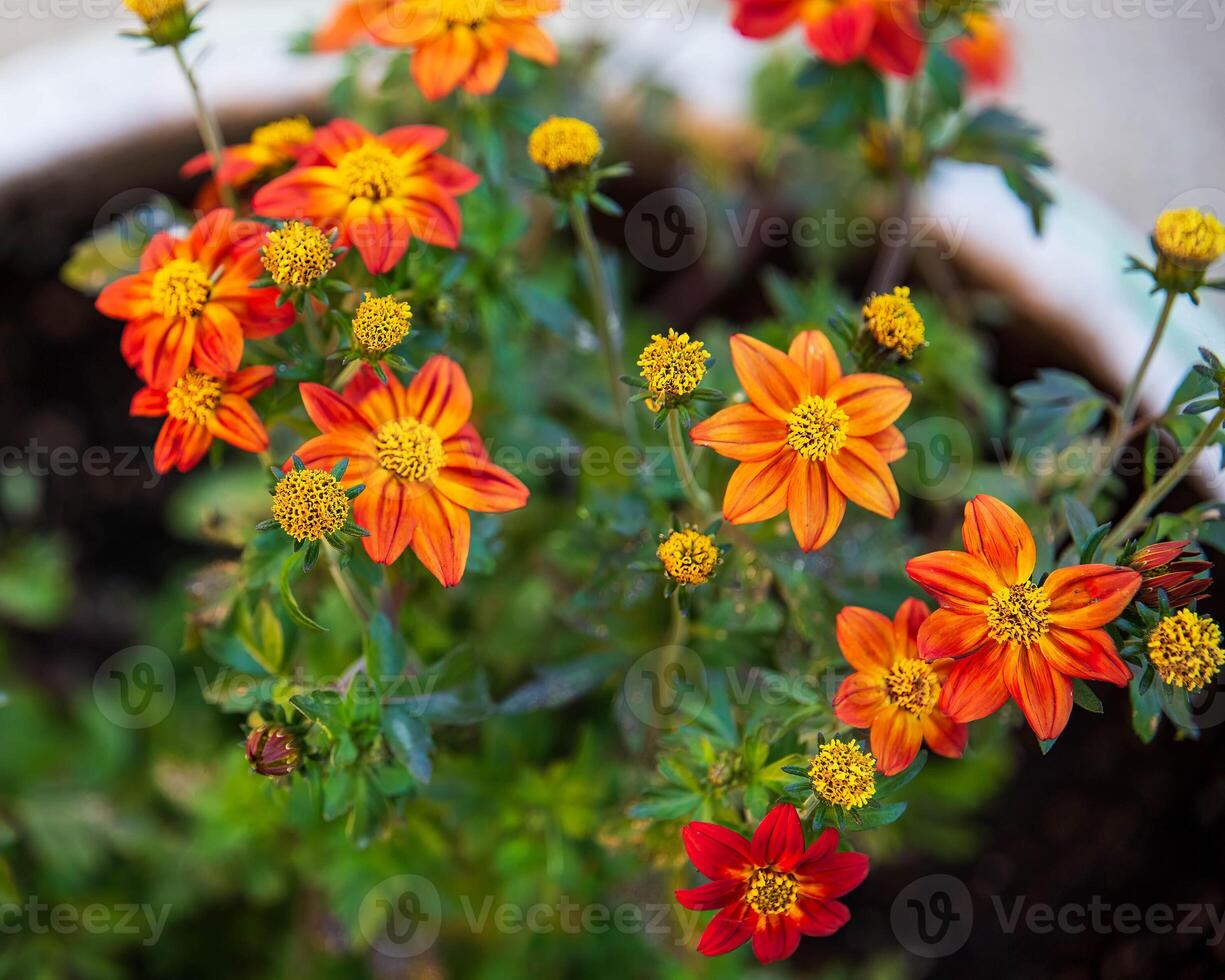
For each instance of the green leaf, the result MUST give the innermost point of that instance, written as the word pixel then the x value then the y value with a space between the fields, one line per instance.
pixel 287 597
pixel 339 791
pixel 1081 522
pixel 1145 711
pixel 409 737
pixel 270 638
pixel 868 819
pixel 322 707
pixel 665 806
pixel 386 656
pixel 555 686
pixel 887 786
pixel 1082 695
pixel 1002 139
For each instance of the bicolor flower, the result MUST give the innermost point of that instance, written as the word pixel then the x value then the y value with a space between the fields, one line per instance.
pixel 192 301
pixel 770 890
pixel 894 692
pixel 199 408
pixel 808 440
pixel 982 51
pixel 379 192
pixel 273 148
pixel 1013 638
pixel 885 33
pixel 421 461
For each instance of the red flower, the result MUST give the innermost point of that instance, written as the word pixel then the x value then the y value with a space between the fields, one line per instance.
pixel 192 301
pixel 894 692
pixel 1167 566
pixel 770 890
pixel 422 463
pixel 982 51
pixel 200 407
pixel 885 33
pixel 1017 639
pixel 378 191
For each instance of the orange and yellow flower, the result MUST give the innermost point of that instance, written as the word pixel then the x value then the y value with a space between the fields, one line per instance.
pixel 894 692
pixel 1010 636
pixel 808 440
pixel 199 408
pixel 273 148
pixel 982 51
pixel 377 191
pixel 885 33
pixel 421 461
pixel 192 301
pixel 455 43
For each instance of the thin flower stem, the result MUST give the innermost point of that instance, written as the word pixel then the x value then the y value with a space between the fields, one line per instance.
pixel 207 126
pixel 689 483
pixel 1159 490
pixel 604 313
pixel 678 634
pixel 356 606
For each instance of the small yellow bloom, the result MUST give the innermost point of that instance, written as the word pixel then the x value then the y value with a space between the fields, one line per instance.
pixel 894 323
pixel 688 556
pixel 1189 238
pixel 194 397
pixel 309 504
pixel 1185 650
pixel 152 11
pixel 381 322
pixel 560 142
pixel 673 366
pixel 842 774
pixel 297 254
pixel 294 131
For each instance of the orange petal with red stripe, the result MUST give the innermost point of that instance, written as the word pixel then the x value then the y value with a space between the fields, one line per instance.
pixel 956 580
pixel 758 491
pixel 325 451
pixel 218 341
pixel 1043 694
pixel 873 401
pixel 166 351
pixel 951 634
pixel 328 410
pixel 249 382
pixel 815 355
pixel 385 509
pixel 865 638
pixel 1089 596
pixel 439 65
pixel 816 507
pixel 895 737
pixel 890 443
pixel 1088 654
pixel 908 619
pixel 995 533
pixel 859 698
pixel 482 487
pixel 440 397
pixel 125 299
pixel 236 422
pixel 441 537
pixel 859 472
pixel 742 432
pixel 975 686
pixel 943 735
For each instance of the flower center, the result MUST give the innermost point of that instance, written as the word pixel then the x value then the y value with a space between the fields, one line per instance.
pixel 409 449
pixel 181 289
pixel 894 323
pixel 818 428
pixel 843 774
pixel 309 504
pixel 468 12
pixel 673 366
pixel 381 322
pixel 562 142
pixel 1190 237
pixel 1185 650
pixel 372 171
pixel 1018 614
pixel 194 397
pixel 771 892
pixel 688 556
pixel 913 686
pixel 295 131
pixel 297 254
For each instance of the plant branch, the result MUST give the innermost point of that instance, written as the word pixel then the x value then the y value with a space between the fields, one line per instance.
pixel 694 492
pixel 207 125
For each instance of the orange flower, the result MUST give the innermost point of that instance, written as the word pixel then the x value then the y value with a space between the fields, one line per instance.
pixel 273 148
pixel 199 407
pixel 982 51
pixel 885 33
pixel 192 301
pixel 378 191
pixel 893 692
pixel 464 43
pixel 1017 639
pixel 422 463
pixel 809 439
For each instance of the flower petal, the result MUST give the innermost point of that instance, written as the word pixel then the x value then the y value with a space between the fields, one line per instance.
pixel 728 930
pixel 711 895
pixel 890 443
pixel 218 341
pixel 947 633
pixel 775 938
pixel 859 698
pixel 843 34
pixel 1043 694
pixel 148 403
pixel 385 510
pixel 833 875
pixel 778 841
pixel 742 432
pixel 907 621
pixel 249 382
pixel 355 445
pixel 865 638
pixel 896 737
pixel 237 423
pixel 895 46
pixel 716 851
pixel 957 581
pixel 440 397
pixel 816 507
pixel 873 401
pixel 815 355
pixel 975 686
pixel 441 537
pixel 758 491
pixel 943 735
pixel 773 382
pixel 1089 596
pixel 481 486
pixel 859 472
pixel 1087 654
pixel 821 916
pixel 166 351
pixel 328 410
pixel 994 532
pixel 441 64
pixel 180 445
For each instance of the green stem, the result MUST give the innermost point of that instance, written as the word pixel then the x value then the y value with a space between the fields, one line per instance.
pixel 208 128
pixel 1158 491
pixel 355 605
pixel 694 492
pixel 604 314
pixel 678 633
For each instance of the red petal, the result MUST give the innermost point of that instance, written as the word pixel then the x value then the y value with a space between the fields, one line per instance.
pixel 1043 694
pixel 1088 654
pixel 775 938
pixel 716 851
pixel 440 397
pixel 843 33
pixel 764 18
pixel 833 876
pixel 728 930
pixel 957 581
pixel 994 532
pixel 773 382
pixel 778 841
pixel 950 634
pixel 821 916
pixel 1089 596
pixel 711 895
pixel 865 638
pixel 896 45
pixel 896 737
pixel 743 432
pixel 975 686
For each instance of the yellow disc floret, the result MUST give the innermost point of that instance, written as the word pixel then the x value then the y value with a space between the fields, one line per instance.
pixel 1018 614
pixel 1185 650
pixel 151 11
pixel 381 322
pixel 771 892
pixel 673 366
pixel 410 449
pixel 297 254
pixel 373 172
pixel 688 556
pixel 817 428
pixel 560 142
pixel 1189 238
pixel 893 322
pixel 194 397
pixel 180 289
pixel 466 12
pixel 913 686
pixel 294 131
pixel 309 504
pixel 843 774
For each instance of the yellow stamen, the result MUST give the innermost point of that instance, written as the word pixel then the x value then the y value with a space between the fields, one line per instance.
pixel 294 131
pixel 467 12
pixel 309 504
pixel 372 171
pixel 297 254
pixel 1185 650
pixel 771 892
pixel 181 289
pixel 1190 238
pixel 843 774
pixel 673 366
pixel 151 11
pixel 560 142
pixel 894 323
pixel 688 556
pixel 410 449
pixel 381 322
pixel 194 397
pixel 1018 614
pixel 913 686
pixel 818 428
